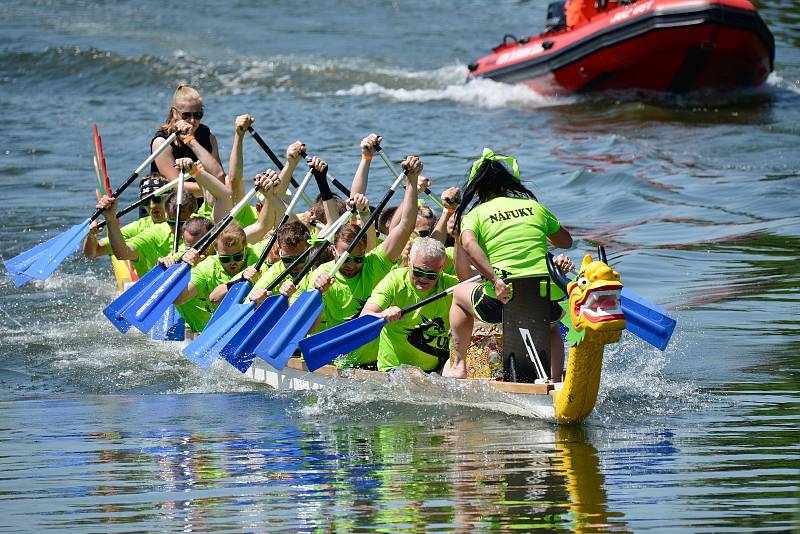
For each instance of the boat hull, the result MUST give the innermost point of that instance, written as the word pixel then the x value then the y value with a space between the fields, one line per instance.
pixel 526 400
pixel 658 45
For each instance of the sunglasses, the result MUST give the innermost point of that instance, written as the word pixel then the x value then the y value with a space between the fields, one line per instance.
pixel 423 232
pixel 189 115
pixel 156 199
pixel 354 259
pixel 228 258
pixel 419 273
pixel 288 260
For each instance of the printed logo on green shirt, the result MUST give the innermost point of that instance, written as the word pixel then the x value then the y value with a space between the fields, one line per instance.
pixel 430 331
pixel 511 214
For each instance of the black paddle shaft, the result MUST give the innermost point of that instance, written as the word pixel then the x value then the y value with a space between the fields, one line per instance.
pixel 117 193
pixel 125 211
pixel 318 254
pixel 265 147
pixel 265 254
pixel 423 302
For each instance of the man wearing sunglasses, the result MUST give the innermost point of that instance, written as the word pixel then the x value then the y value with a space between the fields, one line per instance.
pixel 345 294
pixel 156 214
pixel 293 241
pixel 421 337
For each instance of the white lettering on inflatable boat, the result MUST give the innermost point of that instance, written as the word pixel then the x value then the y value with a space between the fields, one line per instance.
pixel 634 11
pixel 520 53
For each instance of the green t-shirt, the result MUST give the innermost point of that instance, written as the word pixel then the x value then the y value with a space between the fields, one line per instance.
pixel 153 243
pixel 206 276
pixel 513 234
pixel 450 262
pixel 421 338
pixel 128 231
pixel 246 217
pixel 345 299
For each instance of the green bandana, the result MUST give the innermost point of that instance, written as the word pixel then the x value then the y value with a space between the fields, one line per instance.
pixel 489 155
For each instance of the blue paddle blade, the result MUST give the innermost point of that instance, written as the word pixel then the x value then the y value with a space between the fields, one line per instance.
pixel 281 342
pixel 202 350
pixel 646 320
pixel 149 305
pixel 17 265
pixel 113 311
pixel 239 351
pixel 43 259
pixel 69 242
pixel 170 327
pixel 235 295
pixel 324 347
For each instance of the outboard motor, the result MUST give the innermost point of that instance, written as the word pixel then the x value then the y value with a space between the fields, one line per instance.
pixel 556 17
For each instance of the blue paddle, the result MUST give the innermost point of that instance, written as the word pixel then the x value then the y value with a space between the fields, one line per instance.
pixel 281 342
pixel 150 303
pixel 114 311
pixel 239 289
pixel 237 345
pixel 205 348
pixel 241 349
pixel 322 348
pixel 39 262
pixel 171 326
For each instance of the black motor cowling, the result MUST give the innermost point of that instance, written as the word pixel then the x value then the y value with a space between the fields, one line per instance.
pixel 556 17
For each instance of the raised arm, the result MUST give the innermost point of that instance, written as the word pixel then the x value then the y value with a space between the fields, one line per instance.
pixel 91 246
pixel 451 198
pixel 236 162
pixel 361 203
pixel 267 183
pixel 369 147
pixel 120 248
pixel 220 191
pixel 398 236
pixel 294 153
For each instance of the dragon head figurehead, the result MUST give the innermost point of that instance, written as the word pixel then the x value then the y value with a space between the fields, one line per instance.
pixel 594 318
pixel 594 300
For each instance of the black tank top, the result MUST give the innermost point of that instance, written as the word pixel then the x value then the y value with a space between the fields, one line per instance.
pixel 202 135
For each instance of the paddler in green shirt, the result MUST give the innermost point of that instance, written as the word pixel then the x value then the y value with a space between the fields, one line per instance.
pixel 421 337
pixel 504 234
pixel 145 248
pixel 233 254
pixel 346 293
pixel 156 214
pixel 293 241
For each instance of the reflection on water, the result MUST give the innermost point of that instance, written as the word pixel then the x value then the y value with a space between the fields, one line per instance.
pixel 392 472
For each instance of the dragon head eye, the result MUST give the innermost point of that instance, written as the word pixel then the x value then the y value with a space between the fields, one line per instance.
pixel 582 282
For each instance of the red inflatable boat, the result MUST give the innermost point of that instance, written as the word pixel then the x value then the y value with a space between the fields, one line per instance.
pixel 659 45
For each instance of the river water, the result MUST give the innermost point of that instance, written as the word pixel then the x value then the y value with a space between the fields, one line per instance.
pixel 694 198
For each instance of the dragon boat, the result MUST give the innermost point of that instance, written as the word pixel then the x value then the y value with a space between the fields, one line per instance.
pixel 594 318
pixel 672 46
